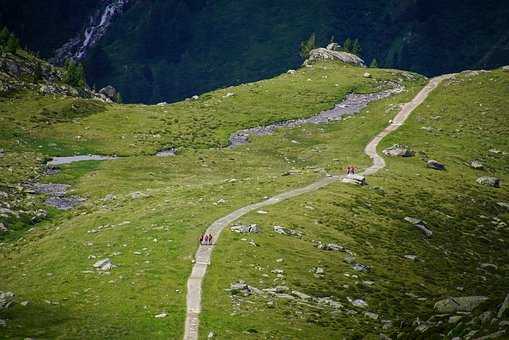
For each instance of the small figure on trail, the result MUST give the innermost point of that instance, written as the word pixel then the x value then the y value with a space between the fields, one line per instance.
pixel 206 239
pixel 210 239
pixel 201 239
pixel 350 170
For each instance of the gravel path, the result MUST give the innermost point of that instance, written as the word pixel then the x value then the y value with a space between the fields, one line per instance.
pixel 203 254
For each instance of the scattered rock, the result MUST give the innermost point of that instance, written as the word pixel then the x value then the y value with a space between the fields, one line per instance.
pixel 161 316
pixel 229 94
pixel 476 165
pixel 489 181
pixel 2 153
pixel 300 295
pixel 3 228
pixel 398 150
pixel 359 303
pixel 432 164
pixel 240 288
pixel 3 323
pixel 459 304
pixel 138 194
pixel 371 315
pixel 195 97
pixel 104 265
pixel 291 72
pixel 354 179
pixel 318 271
pixel 211 335
pixel 6 299
pixel 410 257
pixel 420 224
pixel 505 68
pixel 367 75
pixel 361 268
pixel 244 229
pixel 64 203
pixel 285 231
pixel 455 318
pixel 330 247
pixel 167 152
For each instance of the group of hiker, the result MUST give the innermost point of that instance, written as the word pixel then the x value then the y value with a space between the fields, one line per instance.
pixel 350 170
pixel 206 240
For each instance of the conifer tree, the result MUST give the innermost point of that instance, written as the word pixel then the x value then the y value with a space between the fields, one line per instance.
pixel 307 45
pixel 348 45
pixel 356 48
pixel 4 36
pixel 74 74
pixel 12 44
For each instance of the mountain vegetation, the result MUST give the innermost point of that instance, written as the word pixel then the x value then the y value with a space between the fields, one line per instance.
pixel 170 50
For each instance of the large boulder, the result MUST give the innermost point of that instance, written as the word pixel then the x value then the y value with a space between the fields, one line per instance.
pixel 246 229
pixel 354 179
pixel 432 164
pixel 489 181
pixel 326 54
pixel 110 92
pixel 459 304
pixel 398 150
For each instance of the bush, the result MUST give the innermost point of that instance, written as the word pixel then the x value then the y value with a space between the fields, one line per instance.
pixel 74 74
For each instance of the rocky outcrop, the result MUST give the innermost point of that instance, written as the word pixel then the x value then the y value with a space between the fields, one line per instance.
pixel 110 92
pixel 19 73
pixel 326 54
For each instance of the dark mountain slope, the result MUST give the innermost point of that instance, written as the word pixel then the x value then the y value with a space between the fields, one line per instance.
pixel 166 50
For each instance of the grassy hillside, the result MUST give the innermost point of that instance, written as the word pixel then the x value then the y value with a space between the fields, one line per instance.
pixel 152 238
pixel 460 122
pixel 146 213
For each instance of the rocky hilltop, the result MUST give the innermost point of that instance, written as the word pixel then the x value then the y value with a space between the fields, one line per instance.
pixel 23 71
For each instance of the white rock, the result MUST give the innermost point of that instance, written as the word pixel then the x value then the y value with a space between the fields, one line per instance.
pixel 160 316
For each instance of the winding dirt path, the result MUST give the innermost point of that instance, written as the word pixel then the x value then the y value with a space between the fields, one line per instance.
pixel 204 253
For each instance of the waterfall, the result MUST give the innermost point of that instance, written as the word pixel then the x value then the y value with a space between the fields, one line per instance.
pixel 98 24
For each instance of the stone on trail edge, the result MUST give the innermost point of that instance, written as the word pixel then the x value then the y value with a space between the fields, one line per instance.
pixel 203 254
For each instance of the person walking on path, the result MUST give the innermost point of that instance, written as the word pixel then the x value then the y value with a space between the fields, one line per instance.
pixel 206 240
pixel 201 239
pixel 210 239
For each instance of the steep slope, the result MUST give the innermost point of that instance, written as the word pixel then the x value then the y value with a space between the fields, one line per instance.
pixel 169 50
